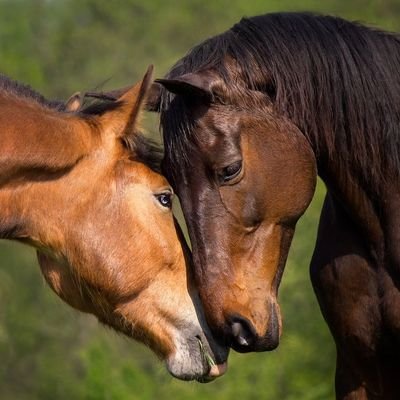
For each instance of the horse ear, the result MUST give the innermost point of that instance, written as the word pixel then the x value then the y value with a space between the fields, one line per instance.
pixel 197 84
pixel 153 98
pixel 74 103
pixel 124 119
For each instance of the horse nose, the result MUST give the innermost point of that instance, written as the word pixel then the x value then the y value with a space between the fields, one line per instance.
pixel 244 337
pixel 243 334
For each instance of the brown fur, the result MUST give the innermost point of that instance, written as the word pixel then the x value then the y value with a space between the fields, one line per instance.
pixel 72 184
pixel 238 273
pixel 337 84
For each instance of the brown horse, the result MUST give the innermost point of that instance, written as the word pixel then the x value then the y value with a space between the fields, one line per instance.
pixel 80 185
pixel 249 116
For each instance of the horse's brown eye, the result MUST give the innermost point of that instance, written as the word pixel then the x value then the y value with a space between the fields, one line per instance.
pixel 231 171
pixel 165 199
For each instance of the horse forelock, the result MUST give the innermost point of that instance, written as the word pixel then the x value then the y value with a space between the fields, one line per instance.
pixel 145 150
pixel 140 147
pixel 336 80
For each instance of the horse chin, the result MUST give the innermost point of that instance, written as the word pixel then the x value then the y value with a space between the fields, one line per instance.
pixel 195 358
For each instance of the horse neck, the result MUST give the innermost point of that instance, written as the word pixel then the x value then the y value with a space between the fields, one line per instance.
pixel 358 198
pixel 39 146
pixel 34 137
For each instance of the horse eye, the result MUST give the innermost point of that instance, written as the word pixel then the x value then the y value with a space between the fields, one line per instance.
pixel 231 171
pixel 165 199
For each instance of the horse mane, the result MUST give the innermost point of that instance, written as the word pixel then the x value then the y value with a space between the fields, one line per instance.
pixel 19 89
pixel 142 148
pixel 338 81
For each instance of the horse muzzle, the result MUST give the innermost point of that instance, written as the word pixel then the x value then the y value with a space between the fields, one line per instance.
pixel 245 339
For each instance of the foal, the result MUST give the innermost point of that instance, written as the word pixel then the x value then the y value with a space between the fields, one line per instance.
pixel 80 185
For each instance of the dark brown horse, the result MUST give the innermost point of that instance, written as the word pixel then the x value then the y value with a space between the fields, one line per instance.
pixel 250 117
pixel 81 185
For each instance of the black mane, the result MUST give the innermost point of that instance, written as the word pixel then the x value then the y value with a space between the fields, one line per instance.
pixel 142 148
pixel 21 90
pixel 338 81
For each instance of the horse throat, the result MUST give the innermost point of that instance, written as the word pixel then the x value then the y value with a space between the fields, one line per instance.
pixel 361 205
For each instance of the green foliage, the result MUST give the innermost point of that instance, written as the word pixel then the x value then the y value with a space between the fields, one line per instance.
pixel 49 351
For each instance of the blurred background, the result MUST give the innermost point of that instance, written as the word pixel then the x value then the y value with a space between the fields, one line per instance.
pixel 49 351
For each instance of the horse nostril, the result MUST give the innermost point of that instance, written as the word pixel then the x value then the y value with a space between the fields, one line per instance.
pixel 244 337
pixel 239 334
pixel 242 332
